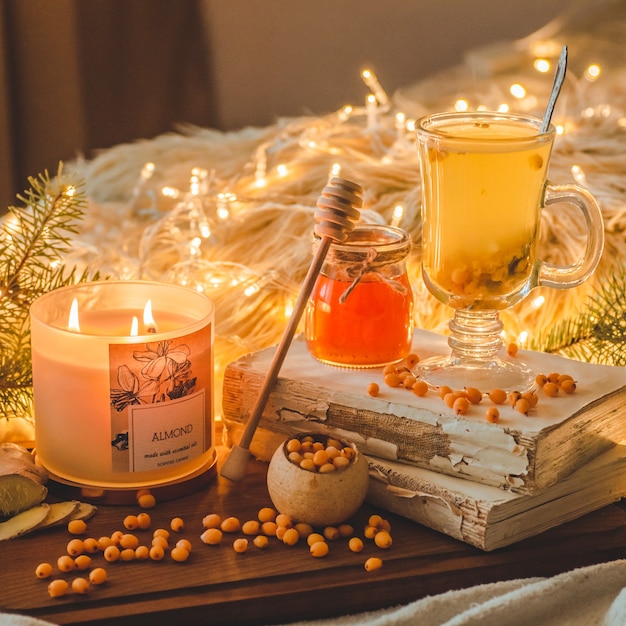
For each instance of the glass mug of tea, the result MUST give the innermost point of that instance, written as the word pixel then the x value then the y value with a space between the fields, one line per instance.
pixel 484 185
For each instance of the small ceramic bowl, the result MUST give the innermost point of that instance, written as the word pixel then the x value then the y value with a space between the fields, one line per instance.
pixel 319 499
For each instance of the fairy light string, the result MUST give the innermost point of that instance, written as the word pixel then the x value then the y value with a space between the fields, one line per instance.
pixel 213 217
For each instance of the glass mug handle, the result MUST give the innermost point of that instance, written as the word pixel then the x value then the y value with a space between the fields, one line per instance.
pixel 563 277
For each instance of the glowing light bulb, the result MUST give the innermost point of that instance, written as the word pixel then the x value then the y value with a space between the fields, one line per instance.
pixel 542 65
pixel 522 338
pixel 282 170
pixel 538 301
pixel 517 91
pixel 398 213
pixel 461 105
pixel 371 107
pixel 369 78
pixel 503 108
pixel 170 192
pixel 593 72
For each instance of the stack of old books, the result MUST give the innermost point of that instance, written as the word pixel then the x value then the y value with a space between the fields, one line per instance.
pixel 487 484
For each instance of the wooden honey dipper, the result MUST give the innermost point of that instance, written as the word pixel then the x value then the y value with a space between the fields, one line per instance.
pixel 337 210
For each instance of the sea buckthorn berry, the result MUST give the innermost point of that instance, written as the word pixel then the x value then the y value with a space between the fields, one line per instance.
pixel 497 396
pixel 522 406
pixel 116 536
pixel 80 585
pixel 43 570
pixel 492 415
pixel 369 532
pixel 373 389
pixel 282 519
pixel 314 537
pixel 420 388
pixel 104 542
pixel 293 445
pixel 280 532
pixel 551 389
pixel 144 521
pixel 443 391
pixel 130 522
pixel 295 458
pixel 240 545
pixel 111 554
pixel 160 540
pixel 97 575
pixel 341 462
pixel 390 368
pixel 513 397
pixel 320 458
pixel 82 562
pixel 75 547
pixel 553 377
pixel 307 464
pixel 211 536
pixel 563 377
pixel 127 554
pixel 355 544
pixel 128 540
pixel 261 542
pixel 392 380
pixel 460 406
pixel 184 543
pixel 331 533
pixel 567 386
pixel 383 539
pixel 345 530
pixel 90 545
pixel 450 398
pixel 319 549
pixel 161 532
pixel 142 553
pixel 304 529
pixel 212 520
pixel 177 524
pixel 65 563
pixel 531 397
pixel 156 553
pixel 375 520
pixel 179 554
pixel 58 587
pixel 512 349
pixel 291 537
pixel 412 360
pixel 541 380
pixel 373 563
pixel 251 527
pixel 76 526
pixel 474 395
pixel 269 528
pixel 146 501
pixel 409 381
pixel 327 468
pixel 266 514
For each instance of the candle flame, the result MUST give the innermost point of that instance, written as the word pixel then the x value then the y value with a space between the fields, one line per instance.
pixel 134 327
pixel 72 322
pixel 148 319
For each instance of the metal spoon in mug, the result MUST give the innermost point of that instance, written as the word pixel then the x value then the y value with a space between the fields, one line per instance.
pixel 559 77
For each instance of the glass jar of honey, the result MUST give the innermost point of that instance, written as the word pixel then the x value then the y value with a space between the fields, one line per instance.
pixel 360 313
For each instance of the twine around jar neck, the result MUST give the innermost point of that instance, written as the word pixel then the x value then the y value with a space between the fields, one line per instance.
pixel 368 250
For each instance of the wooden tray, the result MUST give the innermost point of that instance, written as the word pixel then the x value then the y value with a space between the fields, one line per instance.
pixel 283 584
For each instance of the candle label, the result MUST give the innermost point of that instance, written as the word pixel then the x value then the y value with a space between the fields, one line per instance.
pixel 160 401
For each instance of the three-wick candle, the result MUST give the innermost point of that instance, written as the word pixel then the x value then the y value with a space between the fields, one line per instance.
pixel 123 383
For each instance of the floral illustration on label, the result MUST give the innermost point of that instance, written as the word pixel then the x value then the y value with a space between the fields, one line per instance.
pixel 157 400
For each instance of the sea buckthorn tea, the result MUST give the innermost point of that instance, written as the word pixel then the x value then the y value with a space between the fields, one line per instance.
pixel 482 207
pixel 360 313
pixel 484 186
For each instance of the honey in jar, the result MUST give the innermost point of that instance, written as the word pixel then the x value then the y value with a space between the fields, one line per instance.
pixel 360 313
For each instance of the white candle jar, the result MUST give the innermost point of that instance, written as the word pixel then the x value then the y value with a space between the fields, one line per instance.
pixel 122 409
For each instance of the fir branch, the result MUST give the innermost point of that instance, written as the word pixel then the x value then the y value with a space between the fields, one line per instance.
pixel 598 333
pixel 34 238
